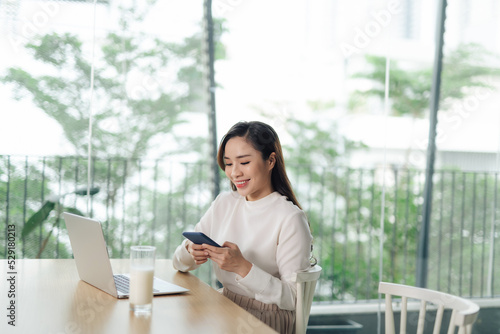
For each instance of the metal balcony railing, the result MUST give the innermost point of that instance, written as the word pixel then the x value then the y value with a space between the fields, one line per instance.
pixel 152 202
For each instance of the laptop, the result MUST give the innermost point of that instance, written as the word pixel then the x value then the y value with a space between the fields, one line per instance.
pixel 92 259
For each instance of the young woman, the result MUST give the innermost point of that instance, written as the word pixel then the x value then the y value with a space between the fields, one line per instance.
pixel 263 231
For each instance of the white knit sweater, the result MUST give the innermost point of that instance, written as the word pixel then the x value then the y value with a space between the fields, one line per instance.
pixel 272 233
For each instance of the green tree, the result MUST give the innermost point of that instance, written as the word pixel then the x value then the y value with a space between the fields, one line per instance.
pixel 22 183
pixel 464 68
pixel 465 71
pixel 144 87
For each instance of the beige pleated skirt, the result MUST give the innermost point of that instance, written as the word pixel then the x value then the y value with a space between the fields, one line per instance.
pixel 282 321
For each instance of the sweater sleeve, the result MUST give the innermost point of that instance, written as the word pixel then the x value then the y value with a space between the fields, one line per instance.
pixel 293 252
pixel 182 260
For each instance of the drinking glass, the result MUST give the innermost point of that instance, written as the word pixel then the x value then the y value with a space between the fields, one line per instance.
pixel 142 264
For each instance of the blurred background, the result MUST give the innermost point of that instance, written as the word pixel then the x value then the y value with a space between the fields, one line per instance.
pixel 346 84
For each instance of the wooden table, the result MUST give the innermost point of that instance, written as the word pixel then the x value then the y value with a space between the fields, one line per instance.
pixel 50 298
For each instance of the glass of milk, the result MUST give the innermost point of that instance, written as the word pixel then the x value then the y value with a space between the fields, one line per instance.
pixel 142 264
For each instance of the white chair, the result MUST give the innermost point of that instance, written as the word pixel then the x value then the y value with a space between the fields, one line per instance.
pixel 306 284
pixel 464 312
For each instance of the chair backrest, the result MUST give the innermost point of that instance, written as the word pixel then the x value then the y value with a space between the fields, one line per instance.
pixel 464 312
pixel 306 284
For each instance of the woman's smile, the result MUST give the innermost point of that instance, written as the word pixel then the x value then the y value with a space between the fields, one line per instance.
pixel 241 184
pixel 246 168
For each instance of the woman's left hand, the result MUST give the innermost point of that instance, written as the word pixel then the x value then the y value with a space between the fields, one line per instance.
pixel 229 258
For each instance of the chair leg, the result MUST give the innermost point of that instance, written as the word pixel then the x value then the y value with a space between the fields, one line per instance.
pixel 451 327
pixel 389 316
pixel 439 319
pixel 421 317
pixel 404 315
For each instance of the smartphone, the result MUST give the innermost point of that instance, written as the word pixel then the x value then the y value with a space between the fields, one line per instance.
pixel 200 238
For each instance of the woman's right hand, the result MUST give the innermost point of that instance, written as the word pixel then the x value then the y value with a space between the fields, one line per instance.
pixel 197 252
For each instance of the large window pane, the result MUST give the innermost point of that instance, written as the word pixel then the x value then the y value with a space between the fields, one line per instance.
pixel 315 70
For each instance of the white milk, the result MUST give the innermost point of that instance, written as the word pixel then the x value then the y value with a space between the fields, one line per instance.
pixel 141 285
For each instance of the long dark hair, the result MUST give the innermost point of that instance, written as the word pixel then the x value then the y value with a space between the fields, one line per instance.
pixel 265 140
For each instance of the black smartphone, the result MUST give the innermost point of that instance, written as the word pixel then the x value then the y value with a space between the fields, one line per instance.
pixel 200 238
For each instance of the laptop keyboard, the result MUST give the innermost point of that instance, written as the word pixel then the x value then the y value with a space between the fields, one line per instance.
pixel 122 283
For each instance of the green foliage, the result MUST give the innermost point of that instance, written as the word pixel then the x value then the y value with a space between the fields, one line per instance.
pixel 22 183
pixel 125 122
pixel 410 87
pixel 143 88
pixel 317 144
pixel 343 206
pixel 462 236
pixel 38 218
pixel 464 68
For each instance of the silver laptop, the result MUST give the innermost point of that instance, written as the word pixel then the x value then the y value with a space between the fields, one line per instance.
pixel 92 259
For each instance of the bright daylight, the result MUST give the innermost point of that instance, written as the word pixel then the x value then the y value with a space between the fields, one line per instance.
pixel 237 166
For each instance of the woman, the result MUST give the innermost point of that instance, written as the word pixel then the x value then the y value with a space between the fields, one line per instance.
pixel 264 233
